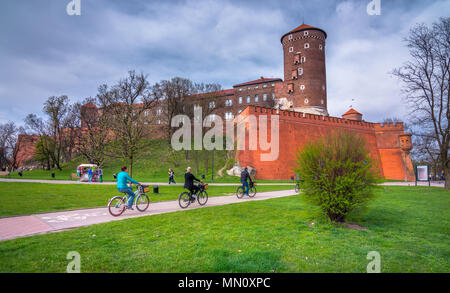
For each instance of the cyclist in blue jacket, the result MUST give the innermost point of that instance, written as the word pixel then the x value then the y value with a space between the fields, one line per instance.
pixel 122 185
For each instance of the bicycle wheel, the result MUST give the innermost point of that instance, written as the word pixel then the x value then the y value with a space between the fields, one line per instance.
pixel 142 202
pixel 184 200
pixel 297 188
pixel 252 192
pixel 202 198
pixel 116 206
pixel 240 192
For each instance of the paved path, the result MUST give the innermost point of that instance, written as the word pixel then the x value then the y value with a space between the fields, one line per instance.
pixel 114 183
pixel 14 227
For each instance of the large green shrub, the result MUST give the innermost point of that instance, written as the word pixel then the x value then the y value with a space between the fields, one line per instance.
pixel 337 173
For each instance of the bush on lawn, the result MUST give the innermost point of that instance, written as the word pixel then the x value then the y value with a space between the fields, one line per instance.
pixel 338 174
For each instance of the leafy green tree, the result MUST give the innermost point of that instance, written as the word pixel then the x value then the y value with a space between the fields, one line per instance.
pixel 338 174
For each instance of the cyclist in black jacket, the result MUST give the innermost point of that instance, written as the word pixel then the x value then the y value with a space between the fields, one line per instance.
pixel 244 177
pixel 189 179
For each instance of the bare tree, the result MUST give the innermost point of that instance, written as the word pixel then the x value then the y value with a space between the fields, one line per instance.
pixel 127 106
pixel 172 95
pixel 9 145
pixel 426 85
pixel 93 135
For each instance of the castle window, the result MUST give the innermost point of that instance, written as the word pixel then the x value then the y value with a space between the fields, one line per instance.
pixel 297 58
pixel 228 103
pixel 306 45
pixel 146 113
pixel 256 87
pixel 240 89
pixel 300 71
pixel 320 47
pixel 291 49
pixel 264 86
pixel 248 99
pixel 302 87
pixel 256 99
pixel 303 59
pixel 294 74
pixel 240 100
pixel 306 101
pixel 264 97
pixel 228 115
pixel 305 33
pixel 290 37
pixel 249 88
pixel 212 105
pixel 290 88
pixel 273 84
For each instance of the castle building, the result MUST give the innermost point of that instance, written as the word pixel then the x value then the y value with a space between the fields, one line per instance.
pixel 300 102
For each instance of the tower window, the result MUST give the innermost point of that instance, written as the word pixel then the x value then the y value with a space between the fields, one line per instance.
pixel 248 99
pixel 256 99
pixel 229 103
pixel 303 59
pixel 264 97
pixel 291 49
pixel 320 47
pixel 297 58
pixel 306 45
pixel 305 33
pixel 294 74
pixel 212 105
pixel 302 87
pixel 240 100
pixel 290 37
pixel 290 88
pixel 306 101
pixel 300 71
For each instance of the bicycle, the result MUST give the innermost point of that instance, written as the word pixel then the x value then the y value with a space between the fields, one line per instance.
pixel 186 198
pixel 297 186
pixel 251 190
pixel 118 204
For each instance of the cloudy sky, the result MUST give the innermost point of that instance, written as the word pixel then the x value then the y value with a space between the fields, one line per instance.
pixel 45 52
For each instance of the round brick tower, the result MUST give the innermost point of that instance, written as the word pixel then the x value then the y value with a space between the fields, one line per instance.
pixel 304 69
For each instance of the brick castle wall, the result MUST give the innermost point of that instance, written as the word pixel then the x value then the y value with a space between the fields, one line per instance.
pixel 296 129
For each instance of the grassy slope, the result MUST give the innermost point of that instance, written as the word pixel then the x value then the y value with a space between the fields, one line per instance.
pixel 151 165
pixel 32 198
pixel 408 226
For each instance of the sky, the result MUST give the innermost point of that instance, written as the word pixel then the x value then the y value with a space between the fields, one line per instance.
pixel 46 52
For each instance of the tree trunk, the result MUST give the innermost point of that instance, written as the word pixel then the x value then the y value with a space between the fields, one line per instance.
pixel 131 167
pixel 447 177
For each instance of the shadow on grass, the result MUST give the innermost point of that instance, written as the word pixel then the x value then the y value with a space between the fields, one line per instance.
pixel 243 262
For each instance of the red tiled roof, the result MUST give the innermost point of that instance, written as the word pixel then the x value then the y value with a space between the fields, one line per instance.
pixel 302 28
pixel 351 111
pixel 227 92
pixel 261 80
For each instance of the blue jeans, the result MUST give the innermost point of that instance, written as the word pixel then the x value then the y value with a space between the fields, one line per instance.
pixel 171 180
pixel 131 195
pixel 246 187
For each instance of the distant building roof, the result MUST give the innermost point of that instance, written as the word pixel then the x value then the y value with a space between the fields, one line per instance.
pixel 302 28
pixel 257 81
pixel 351 111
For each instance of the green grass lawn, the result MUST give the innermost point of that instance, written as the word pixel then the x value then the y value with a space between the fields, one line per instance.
pixel 408 226
pixel 31 198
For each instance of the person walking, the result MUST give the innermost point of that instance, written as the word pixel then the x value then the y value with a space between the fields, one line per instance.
pixel 171 176
pixel 245 176
pixel 100 174
pixel 90 174
pixel 122 186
